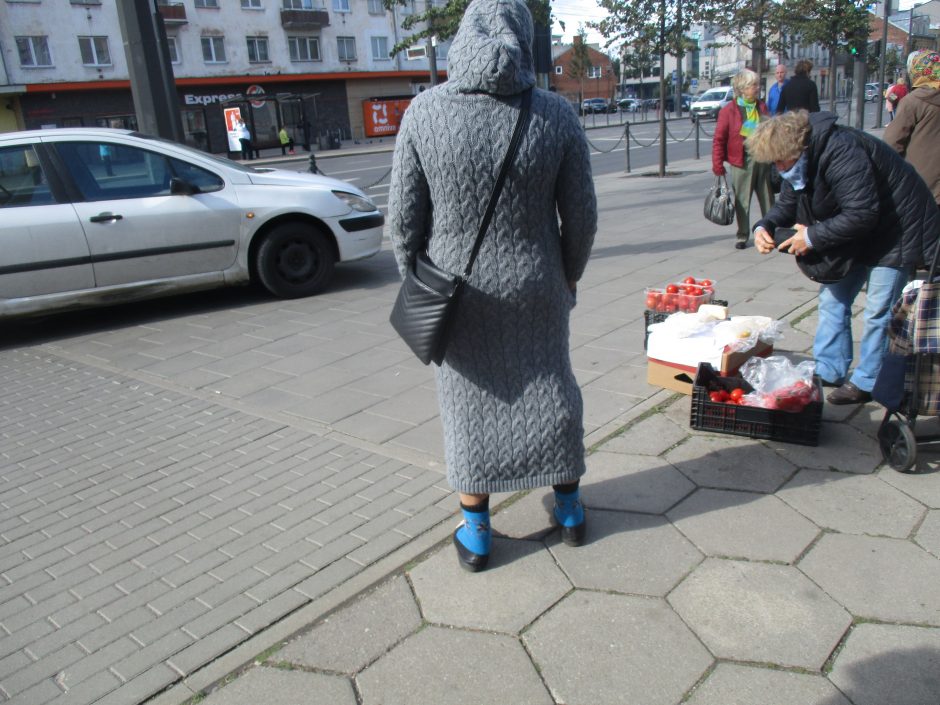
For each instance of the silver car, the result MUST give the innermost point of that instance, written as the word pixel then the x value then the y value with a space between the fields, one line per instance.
pixel 96 216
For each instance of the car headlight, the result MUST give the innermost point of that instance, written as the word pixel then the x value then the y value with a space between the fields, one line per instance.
pixel 357 203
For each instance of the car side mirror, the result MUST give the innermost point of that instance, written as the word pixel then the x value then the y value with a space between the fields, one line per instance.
pixel 180 187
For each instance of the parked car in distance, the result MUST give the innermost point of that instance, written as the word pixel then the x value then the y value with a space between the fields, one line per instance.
pixel 872 94
pixel 98 216
pixel 630 105
pixel 671 103
pixel 709 103
pixel 596 105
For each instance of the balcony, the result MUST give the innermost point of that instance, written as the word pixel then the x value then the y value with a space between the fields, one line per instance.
pixel 304 20
pixel 174 13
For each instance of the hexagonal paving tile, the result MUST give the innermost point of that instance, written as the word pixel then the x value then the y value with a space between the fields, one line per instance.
pixel 651 436
pixel 733 684
pixel 852 504
pixel 877 578
pixel 760 613
pixel 928 535
pixel 521 581
pixel 439 666
pixel 887 663
pixel 731 463
pixel 634 553
pixel 529 517
pixel 922 486
pixel 599 648
pixel 840 446
pixel 632 483
pixel 743 524
pixel 275 686
pixel 359 633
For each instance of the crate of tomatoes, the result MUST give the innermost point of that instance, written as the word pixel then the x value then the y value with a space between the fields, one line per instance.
pixel 686 296
pixel 791 414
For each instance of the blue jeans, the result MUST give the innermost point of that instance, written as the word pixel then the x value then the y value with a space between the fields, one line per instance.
pixel 832 347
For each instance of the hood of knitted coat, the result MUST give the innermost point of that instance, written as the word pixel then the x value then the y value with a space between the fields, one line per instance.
pixel 492 50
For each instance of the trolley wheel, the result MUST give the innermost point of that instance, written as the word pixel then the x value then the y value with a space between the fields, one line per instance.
pixel 898 445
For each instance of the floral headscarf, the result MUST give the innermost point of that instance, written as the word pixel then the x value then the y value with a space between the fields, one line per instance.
pixel 923 69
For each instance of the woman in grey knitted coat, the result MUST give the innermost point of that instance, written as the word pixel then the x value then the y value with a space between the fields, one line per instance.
pixel 510 405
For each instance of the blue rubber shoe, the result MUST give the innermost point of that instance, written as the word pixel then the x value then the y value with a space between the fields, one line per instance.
pixel 569 513
pixel 472 539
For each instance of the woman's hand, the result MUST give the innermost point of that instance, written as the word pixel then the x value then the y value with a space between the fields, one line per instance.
pixel 796 244
pixel 763 241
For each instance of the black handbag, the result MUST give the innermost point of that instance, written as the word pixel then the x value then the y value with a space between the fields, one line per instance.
pixel 829 266
pixel 424 309
pixel 719 203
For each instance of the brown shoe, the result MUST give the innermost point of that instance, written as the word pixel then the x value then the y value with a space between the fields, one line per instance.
pixel 848 393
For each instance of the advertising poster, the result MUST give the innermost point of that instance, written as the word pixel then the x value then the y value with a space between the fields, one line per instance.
pixel 382 116
pixel 233 120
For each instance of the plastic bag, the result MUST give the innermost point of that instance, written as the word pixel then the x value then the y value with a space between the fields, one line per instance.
pixel 779 384
pixel 741 333
pixel 684 325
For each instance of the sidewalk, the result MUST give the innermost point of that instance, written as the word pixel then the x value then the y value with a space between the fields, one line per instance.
pixel 233 500
pixel 718 570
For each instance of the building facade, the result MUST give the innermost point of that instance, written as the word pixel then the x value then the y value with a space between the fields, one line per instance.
pixel 598 81
pixel 314 66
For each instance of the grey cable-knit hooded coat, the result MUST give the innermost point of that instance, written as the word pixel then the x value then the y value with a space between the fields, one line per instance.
pixel 510 405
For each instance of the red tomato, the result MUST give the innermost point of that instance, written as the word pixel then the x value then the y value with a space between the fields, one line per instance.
pixel 688 280
pixel 736 394
pixel 715 396
pixel 696 291
pixel 705 282
pixel 652 302
pixel 672 289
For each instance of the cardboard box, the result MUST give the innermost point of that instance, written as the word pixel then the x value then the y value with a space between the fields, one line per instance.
pixel 680 378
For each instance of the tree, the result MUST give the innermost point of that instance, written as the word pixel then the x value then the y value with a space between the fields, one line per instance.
pixel 662 26
pixel 831 23
pixel 441 19
pixel 580 63
pixel 758 25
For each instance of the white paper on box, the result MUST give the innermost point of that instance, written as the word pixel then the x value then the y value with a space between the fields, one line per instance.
pixel 688 352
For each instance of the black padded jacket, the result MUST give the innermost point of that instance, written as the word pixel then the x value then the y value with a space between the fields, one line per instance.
pixel 861 191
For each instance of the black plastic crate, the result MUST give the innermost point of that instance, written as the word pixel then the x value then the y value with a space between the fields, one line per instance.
pixel 772 424
pixel 651 317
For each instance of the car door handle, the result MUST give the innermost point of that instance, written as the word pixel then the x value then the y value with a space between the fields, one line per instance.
pixel 105 217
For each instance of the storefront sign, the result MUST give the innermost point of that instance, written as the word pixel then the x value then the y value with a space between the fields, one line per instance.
pixel 382 116
pixel 254 90
pixel 190 99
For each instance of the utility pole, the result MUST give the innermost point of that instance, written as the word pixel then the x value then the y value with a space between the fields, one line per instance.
pixel 432 50
pixel 882 63
pixel 662 90
pixel 148 63
pixel 860 66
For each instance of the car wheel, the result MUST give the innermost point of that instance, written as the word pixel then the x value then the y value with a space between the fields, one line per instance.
pixel 294 260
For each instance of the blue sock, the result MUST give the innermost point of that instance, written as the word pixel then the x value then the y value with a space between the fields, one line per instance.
pixel 568 508
pixel 475 534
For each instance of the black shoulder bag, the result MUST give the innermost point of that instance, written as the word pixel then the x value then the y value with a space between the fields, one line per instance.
pixel 428 296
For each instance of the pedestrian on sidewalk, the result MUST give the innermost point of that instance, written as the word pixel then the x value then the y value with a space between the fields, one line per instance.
pixel 244 138
pixel 287 142
pixel 858 209
pixel 773 95
pixel 915 133
pixel 509 402
pixel 893 95
pixel 801 92
pixel 736 121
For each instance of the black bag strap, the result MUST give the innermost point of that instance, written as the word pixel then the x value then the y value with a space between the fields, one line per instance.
pixel 503 171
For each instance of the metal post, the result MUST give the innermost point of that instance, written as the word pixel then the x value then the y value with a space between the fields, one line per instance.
pixel 626 140
pixel 698 128
pixel 882 65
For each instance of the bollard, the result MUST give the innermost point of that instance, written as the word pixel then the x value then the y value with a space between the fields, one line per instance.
pixel 313 164
pixel 697 155
pixel 626 140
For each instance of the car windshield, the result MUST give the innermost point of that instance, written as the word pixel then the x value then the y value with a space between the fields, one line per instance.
pixel 715 94
pixel 205 155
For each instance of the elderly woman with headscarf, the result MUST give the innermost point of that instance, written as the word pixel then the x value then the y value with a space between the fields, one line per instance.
pixel 915 130
pixel 862 212
pixel 510 405
pixel 736 121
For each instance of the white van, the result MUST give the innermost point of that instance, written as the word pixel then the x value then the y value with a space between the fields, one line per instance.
pixel 711 101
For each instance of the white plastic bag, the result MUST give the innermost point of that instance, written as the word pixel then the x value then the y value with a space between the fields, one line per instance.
pixel 779 384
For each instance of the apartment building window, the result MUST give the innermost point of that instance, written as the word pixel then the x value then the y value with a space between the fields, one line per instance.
pixel 346 48
pixel 376 7
pixel 94 51
pixel 303 4
pixel 206 3
pixel 251 4
pixel 559 70
pixel 304 48
pixel 33 51
pixel 174 51
pixel 340 5
pixel 380 49
pixel 258 50
pixel 213 50
pixel 594 72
